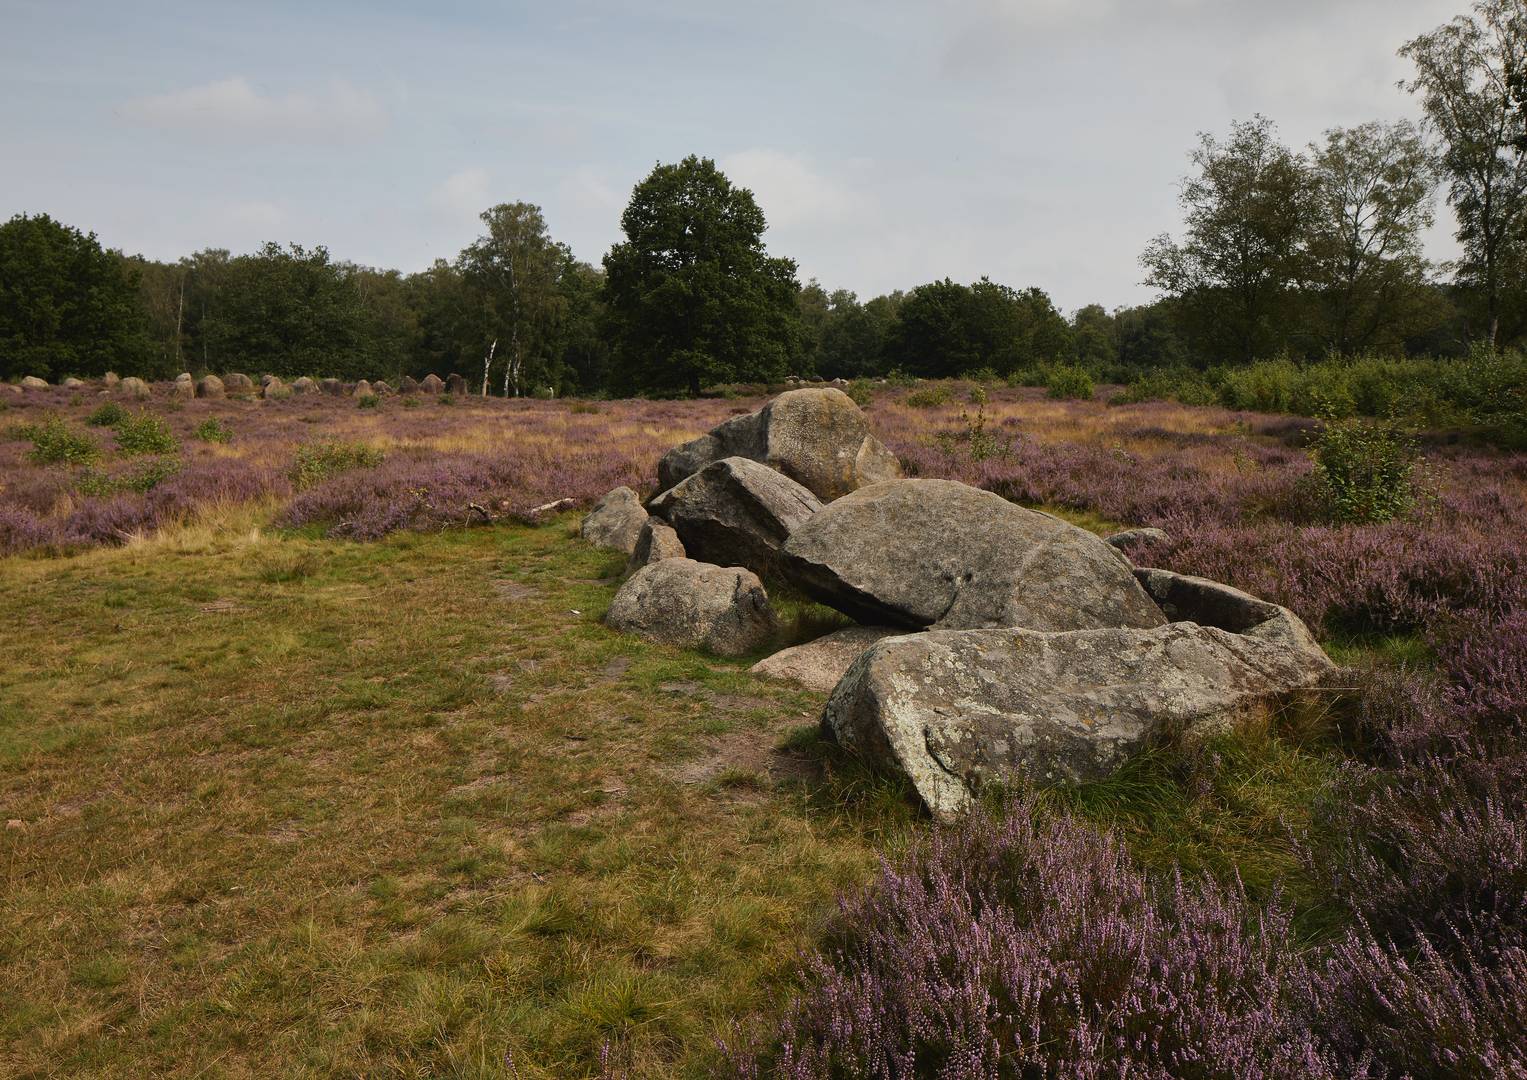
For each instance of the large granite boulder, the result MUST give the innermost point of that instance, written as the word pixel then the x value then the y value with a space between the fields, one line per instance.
pixel 723 610
pixel 616 521
pixel 431 384
pixel 817 437
pixel 331 386
pixel 32 382
pixel 210 386
pixel 303 385
pixel 71 384
pixel 954 710
pixel 1211 603
pixel 821 664
pixel 455 384
pixel 736 512
pixel 271 387
pixel 362 389
pixel 656 541
pixel 408 385
pixel 134 387
pixel 238 383
pixel 184 385
pixel 941 554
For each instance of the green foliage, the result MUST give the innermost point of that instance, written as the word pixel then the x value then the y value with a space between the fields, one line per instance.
pixel 108 415
pixel 692 297
pixel 367 401
pixel 66 306
pixel 54 442
pixel 144 433
pixel 143 477
pixel 213 430
pixel 1365 471
pixel 316 462
pixel 861 392
pixel 945 329
pixel 1069 382
pixel 930 397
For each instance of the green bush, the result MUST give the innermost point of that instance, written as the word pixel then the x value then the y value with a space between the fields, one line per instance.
pixel 55 443
pixel 860 392
pixel 144 477
pixel 1069 382
pixel 367 401
pixel 145 433
pixel 1029 376
pixel 213 430
pixel 108 415
pixel 1365 471
pixel 930 397
pixel 316 462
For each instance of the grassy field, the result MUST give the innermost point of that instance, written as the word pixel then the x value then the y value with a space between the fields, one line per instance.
pixel 278 804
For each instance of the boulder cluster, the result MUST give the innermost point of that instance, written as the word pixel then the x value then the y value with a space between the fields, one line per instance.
pixel 994 641
pixel 235 384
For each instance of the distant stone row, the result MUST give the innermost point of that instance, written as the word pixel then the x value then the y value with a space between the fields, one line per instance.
pixel 271 386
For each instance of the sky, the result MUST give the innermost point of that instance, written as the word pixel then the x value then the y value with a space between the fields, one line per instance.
pixel 889 142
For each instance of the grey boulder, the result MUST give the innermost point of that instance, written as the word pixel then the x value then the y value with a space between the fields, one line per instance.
pixel 272 387
pixel 616 521
pixel 32 382
pixel 455 384
pixel 1212 603
pixel 134 387
pixel 304 385
pixel 817 437
pixel 332 387
pixel 362 389
pixel 655 542
pixel 689 604
pixel 211 386
pixel 955 710
pixel 736 512
pixel 238 383
pixel 184 385
pixel 1131 537
pixel 941 554
pixel 821 664
pixel 431 384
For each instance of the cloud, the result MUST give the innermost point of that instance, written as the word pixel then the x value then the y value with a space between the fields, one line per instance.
pixel 257 214
pixel 235 107
pixel 464 193
pixel 790 191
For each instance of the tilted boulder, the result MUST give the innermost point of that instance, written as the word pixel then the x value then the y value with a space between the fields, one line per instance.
pixel 736 512
pixel 821 664
pixel 656 542
pixel 134 387
pixel 616 521
pixel 1211 603
pixel 210 386
pixel 332 387
pixel 689 604
pixel 237 383
pixel 304 385
pixel 184 385
pixel 32 382
pixel 455 384
pixel 941 554
pixel 431 384
pixel 955 710
pixel 817 437
pixel 408 385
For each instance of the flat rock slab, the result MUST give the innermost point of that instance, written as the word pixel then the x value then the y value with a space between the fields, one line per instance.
pixel 736 512
pixel 820 664
pixel 723 610
pixel 941 554
pixel 955 710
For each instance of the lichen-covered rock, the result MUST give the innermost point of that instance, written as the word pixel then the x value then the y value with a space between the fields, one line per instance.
pixel 455 384
pixel 955 710
pixel 210 386
pixel 332 387
pixel 304 385
pixel 184 386
pixel 32 382
pixel 821 664
pixel 134 387
pixel 431 384
pixel 937 553
pixel 1211 603
pixel 408 385
pixel 272 387
pixel 723 610
pixel 817 437
pixel 238 383
pixel 362 389
pixel 656 541
pixel 736 512
pixel 1135 537
pixel 616 521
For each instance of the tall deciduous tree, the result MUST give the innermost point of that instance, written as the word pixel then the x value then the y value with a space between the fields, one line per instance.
pixel 1373 199
pixel 66 306
pixel 1246 209
pixel 1465 71
pixel 512 271
pixel 692 296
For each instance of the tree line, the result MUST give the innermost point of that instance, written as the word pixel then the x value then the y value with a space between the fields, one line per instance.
pixel 1283 252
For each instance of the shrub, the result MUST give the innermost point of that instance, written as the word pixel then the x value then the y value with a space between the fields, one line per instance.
pixel 317 462
pixel 410 402
pixel 145 433
pixel 55 443
pixel 1069 382
pixel 108 415
pixel 930 397
pixel 146 476
pixel 367 401
pixel 1365 472
pixel 213 430
pixel 860 392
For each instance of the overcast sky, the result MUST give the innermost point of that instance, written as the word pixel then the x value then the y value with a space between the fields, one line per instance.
pixel 889 143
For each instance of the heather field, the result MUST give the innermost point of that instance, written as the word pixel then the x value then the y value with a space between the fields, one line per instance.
pixel 316 760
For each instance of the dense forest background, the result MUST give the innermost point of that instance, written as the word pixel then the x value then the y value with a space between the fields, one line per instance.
pixel 1283 252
